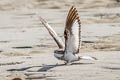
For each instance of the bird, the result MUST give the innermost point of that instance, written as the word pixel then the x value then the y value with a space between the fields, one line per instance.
pixel 68 51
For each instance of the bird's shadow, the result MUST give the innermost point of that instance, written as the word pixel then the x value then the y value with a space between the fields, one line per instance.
pixel 45 68
pixel 112 68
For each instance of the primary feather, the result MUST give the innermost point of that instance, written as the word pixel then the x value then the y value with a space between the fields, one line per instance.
pixel 72 32
pixel 53 33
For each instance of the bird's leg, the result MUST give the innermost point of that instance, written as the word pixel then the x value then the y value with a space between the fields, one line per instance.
pixel 69 63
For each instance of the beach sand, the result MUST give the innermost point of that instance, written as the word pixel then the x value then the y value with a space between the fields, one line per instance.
pixel 26 48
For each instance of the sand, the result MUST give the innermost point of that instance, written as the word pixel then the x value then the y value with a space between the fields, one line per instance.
pixel 26 48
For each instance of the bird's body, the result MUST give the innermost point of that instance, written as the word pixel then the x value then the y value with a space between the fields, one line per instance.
pixel 72 34
pixel 69 57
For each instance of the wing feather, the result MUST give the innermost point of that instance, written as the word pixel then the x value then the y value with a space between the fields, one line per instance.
pixel 53 33
pixel 72 32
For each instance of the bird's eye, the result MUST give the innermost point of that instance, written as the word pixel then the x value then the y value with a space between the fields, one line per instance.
pixel 65 34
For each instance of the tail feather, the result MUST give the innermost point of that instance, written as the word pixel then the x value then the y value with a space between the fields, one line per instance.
pixel 88 58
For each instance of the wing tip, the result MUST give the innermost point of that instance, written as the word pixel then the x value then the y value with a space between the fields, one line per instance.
pixel 73 6
pixel 72 16
pixel 42 20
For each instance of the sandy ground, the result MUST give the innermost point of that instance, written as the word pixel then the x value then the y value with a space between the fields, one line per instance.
pixel 26 49
pixel 46 67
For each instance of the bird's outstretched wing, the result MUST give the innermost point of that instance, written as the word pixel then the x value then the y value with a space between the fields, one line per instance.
pixel 72 32
pixel 53 33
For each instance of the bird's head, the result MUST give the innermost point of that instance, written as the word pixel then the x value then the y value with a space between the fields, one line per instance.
pixel 59 51
pixel 59 54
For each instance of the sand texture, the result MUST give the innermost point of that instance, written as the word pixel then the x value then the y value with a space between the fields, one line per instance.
pixel 26 48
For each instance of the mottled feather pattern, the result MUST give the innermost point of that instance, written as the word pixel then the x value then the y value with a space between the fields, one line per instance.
pixel 72 31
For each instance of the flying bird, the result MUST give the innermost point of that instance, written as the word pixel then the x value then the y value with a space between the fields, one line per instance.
pixel 69 50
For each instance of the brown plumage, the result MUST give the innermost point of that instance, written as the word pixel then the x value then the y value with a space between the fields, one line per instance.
pixel 72 34
pixel 71 18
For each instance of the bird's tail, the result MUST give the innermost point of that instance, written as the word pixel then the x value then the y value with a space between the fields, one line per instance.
pixel 87 58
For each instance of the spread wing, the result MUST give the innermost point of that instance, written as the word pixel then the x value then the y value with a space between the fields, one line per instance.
pixel 72 32
pixel 53 33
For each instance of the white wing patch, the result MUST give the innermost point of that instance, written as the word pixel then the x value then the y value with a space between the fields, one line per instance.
pixel 75 30
pixel 73 39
